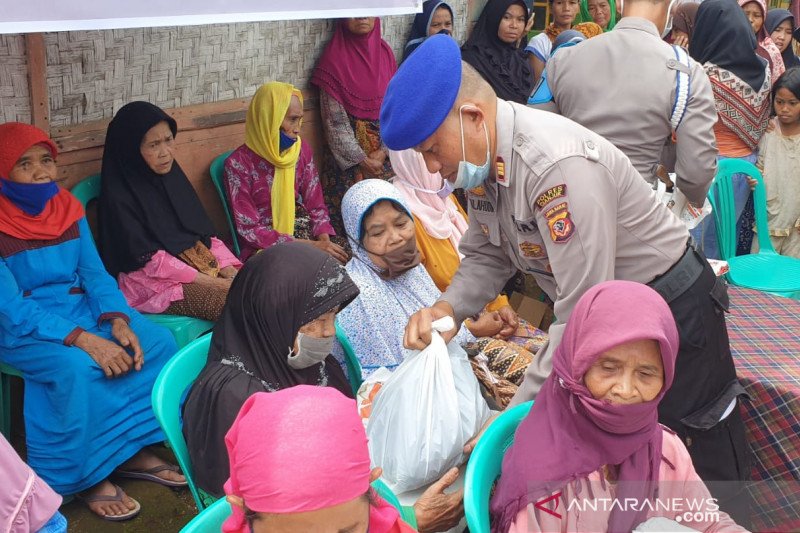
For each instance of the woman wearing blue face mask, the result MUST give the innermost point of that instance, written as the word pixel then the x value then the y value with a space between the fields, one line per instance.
pixel 272 182
pixel 276 331
pixel 66 326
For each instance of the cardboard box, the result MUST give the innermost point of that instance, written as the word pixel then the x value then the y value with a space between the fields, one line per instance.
pixel 534 311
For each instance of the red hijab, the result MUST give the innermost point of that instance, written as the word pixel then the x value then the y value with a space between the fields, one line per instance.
pixel 61 212
pixel 569 434
pixel 355 70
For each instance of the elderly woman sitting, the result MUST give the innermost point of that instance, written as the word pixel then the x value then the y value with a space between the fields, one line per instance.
pixel 67 327
pixel 276 332
pixel 386 266
pixel 594 431
pixel 271 180
pixel 319 478
pixel 155 236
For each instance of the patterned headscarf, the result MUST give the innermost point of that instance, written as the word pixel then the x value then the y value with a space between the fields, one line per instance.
pixel 375 321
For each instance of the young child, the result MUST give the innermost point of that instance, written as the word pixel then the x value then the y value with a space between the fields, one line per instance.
pixel 779 161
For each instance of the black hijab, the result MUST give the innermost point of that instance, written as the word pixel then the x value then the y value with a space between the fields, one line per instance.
pixel 275 293
pixel 776 17
pixel 723 36
pixel 139 211
pixel 422 22
pixel 503 65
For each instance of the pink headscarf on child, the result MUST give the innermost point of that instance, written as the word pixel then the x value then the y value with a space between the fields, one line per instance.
pixel 568 433
pixel 300 449
pixel 439 216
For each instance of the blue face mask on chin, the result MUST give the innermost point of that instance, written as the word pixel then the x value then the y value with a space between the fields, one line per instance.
pixel 470 175
pixel 30 197
pixel 286 142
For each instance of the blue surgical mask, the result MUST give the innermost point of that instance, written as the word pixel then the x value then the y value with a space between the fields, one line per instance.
pixel 30 197
pixel 470 175
pixel 286 142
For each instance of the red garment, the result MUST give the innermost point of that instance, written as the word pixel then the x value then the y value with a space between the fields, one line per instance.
pixel 355 70
pixel 15 139
pixel 61 212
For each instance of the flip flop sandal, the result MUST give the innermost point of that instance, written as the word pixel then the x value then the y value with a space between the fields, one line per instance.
pixel 150 475
pixel 117 498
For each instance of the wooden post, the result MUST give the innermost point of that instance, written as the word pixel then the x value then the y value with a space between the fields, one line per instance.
pixel 37 80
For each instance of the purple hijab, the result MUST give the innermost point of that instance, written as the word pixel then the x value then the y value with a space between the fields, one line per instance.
pixel 569 434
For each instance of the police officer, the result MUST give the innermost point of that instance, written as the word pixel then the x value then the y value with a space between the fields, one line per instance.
pixel 551 198
pixel 635 90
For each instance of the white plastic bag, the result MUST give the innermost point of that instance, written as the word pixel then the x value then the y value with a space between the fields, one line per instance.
pixel 425 413
pixel 680 206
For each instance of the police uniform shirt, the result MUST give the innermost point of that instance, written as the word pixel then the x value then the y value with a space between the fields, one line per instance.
pixel 567 207
pixel 629 99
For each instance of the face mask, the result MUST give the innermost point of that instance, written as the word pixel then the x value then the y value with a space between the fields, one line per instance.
pixel 310 351
pixel 470 175
pixel 401 260
pixel 285 142
pixel 444 192
pixel 444 32
pixel 30 197
pixel 668 25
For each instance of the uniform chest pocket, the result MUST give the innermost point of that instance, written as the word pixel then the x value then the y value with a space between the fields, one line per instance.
pixel 530 247
pixel 488 224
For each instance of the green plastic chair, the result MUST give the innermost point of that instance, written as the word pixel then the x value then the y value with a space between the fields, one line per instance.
pixel 766 270
pixel 6 372
pixel 212 518
pixel 485 464
pixel 174 379
pixel 217 177
pixel 184 328
pixel 354 372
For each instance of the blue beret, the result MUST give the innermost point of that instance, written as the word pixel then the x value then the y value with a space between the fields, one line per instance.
pixel 421 93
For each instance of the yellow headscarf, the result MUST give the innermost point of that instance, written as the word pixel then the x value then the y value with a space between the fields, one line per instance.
pixel 262 135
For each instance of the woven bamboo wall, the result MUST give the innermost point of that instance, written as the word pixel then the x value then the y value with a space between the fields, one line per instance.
pixel 91 74
pixel 15 101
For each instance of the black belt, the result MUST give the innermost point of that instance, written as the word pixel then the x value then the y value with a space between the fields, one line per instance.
pixel 680 276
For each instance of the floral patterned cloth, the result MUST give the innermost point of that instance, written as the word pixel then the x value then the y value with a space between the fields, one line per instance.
pixel 160 282
pixel 349 139
pixel 248 182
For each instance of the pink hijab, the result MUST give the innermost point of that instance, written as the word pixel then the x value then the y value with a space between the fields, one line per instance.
pixel 26 502
pixel 355 70
pixel 569 434
pixel 300 449
pixel 766 47
pixel 439 216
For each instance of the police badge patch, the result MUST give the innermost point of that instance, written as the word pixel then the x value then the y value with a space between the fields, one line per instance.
pixel 531 250
pixel 561 226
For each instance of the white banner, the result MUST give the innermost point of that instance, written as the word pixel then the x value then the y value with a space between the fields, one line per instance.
pixel 28 16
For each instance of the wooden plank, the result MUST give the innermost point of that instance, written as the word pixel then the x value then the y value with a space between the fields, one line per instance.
pixel 37 80
pixel 189 118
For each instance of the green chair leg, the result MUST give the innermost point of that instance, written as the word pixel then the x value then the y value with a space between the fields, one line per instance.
pixel 6 372
pixel 5 400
